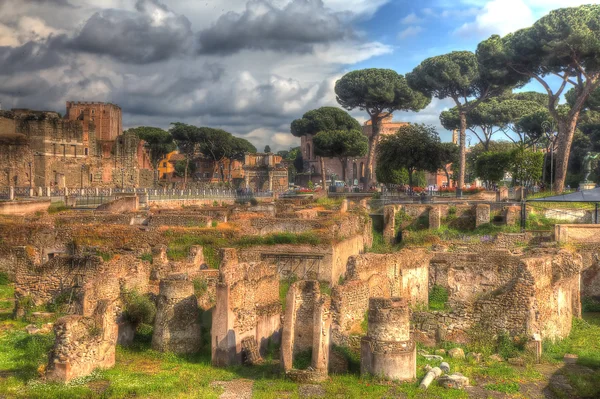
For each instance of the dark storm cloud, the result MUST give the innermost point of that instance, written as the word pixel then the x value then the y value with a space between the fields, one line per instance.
pixel 33 56
pixel 295 28
pixel 151 34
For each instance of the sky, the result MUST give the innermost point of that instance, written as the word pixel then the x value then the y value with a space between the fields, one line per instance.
pixel 246 66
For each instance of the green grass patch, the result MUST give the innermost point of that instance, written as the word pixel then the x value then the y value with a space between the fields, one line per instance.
pixel 282 238
pixel 200 286
pixel 505 387
pixel 302 359
pixel 147 257
pixel 330 203
pixel 57 207
pixel 438 297
pixel 590 305
pixel 4 279
pixel 106 256
pixel 284 287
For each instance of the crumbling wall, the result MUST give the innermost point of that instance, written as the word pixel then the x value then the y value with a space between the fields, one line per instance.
pixel 247 305
pixel 401 274
pixel 177 324
pixel 83 344
pixel 493 293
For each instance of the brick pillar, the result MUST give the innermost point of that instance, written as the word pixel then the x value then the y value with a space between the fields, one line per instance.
pixel 482 214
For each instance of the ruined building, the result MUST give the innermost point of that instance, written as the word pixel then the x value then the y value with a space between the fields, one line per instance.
pixel 86 148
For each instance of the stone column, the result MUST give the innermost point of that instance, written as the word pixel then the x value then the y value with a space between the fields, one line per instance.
pixel 48 192
pixel 270 180
pixel 388 350
pixel 176 327
pixel 435 217
pixel 482 214
pixel 40 192
pixel 11 193
pixel 344 207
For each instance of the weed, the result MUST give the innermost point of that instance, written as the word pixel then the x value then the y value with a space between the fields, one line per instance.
pixel 351 357
pixel 302 359
pixel 438 297
pixel 57 207
pixel 325 288
pixel 214 223
pixel 4 279
pixel 330 203
pixel 364 324
pixel 284 287
pixel 138 308
pixel 147 257
pixel 200 286
pixel 106 256
pixel 505 387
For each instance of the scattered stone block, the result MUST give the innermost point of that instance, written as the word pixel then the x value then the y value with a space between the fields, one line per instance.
pixel 517 361
pixel 456 353
pixel 250 352
pixel 441 352
pixel 445 367
pixel 32 329
pixel 454 381
pixel 433 357
pixel 477 357
pixel 496 358
pixel 429 377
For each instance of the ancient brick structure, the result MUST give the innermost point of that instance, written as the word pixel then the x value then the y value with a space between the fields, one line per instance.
pixel 307 326
pixel 86 148
pixel 355 168
pixel 247 305
pixel 495 292
pixel 388 350
pixel 265 172
pixel 402 274
pixel 177 325
pixel 83 344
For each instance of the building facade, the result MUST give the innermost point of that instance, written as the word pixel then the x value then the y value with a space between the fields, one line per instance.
pixel 42 149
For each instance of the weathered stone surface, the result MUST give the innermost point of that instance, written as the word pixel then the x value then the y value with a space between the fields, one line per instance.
pixel 496 358
pixel 456 353
pixel 570 358
pixel 433 357
pixel 455 381
pixel 440 352
pixel 445 367
pixel 429 377
pixel 477 357
pixel 516 361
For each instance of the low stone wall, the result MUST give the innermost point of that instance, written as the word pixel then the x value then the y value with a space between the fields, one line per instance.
pixel 121 205
pixel 577 233
pixel 23 207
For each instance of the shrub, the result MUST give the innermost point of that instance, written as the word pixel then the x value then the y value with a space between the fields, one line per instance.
pixel 438 297
pixel 147 257
pixel 253 201
pixel 4 279
pixel 215 203
pixel 302 359
pixel 200 286
pixel 590 305
pixel 138 308
pixel 508 346
pixel 214 223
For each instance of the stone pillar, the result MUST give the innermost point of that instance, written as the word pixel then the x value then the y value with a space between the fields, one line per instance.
pixel 11 193
pixel 247 180
pixel 321 335
pixel 344 207
pixel 389 216
pixel 40 192
pixel 48 192
pixel 97 191
pixel 30 192
pixel 388 350
pixel 177 326
pixel 435 217
pixel 270 180
pixel 482 214
pixel 502 194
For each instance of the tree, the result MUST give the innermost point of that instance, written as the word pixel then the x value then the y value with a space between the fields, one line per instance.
pixel 341 144
pixel 380 92
pixel 448 156
pixel 526 166
pixel 267 149
pixel 413 148
pixel 560 49
pixel 187 138
pixel 491 166
pixel 496 114
pixel 158 142
pixel 391 177
pixel 323 119
pixel 458 76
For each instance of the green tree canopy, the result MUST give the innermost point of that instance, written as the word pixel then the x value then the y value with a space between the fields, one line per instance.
pixel 341 144
pixel 561 49
pixel 267 149
pixel 413 148
pixel 491 166
pixel 379 92
pixel 323 119
pixel 526 166
pixel 158 141
pixel 459 76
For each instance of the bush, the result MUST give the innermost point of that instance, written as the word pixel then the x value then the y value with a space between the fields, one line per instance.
pixel 508 346
pixel 590 305
pixel 138 308
pixel 438 296
pixel 302 359
pixel 4 279
pixel 214 223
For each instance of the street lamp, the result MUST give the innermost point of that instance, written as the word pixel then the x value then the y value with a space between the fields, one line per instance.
pixel 549 129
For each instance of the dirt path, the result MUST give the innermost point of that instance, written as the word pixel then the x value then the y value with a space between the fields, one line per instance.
pixel 235 389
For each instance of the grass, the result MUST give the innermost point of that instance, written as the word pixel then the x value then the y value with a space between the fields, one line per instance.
pixel 284 287
pixel 57 207
pixel 330 203
pixel 281 238
pixel 147 257
pixel 505 387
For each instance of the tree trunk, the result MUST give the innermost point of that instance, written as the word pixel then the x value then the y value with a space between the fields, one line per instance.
pixel 375 129
pixel 323 174
pixel 447 176
pixel 410 179
pixel 566 131
pixel 344 162
pixel 462 156
pixel 185 173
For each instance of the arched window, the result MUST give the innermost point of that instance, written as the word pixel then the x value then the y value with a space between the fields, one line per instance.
pixel 354 172
pixel 308 151
pixel 362 169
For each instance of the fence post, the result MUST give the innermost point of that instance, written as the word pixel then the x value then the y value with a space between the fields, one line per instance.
pixel 48 192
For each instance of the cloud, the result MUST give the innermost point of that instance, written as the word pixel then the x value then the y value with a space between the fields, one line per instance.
pixel 411 19
pixel 297 27
pixel 152 33
pixel 499 17
pixel 409 32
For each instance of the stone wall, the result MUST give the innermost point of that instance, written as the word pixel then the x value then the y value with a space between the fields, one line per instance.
pixel 247 305
pixel 537 293
pixel 577 233
pixel 402 274
pixel 83 344
pixel 23 207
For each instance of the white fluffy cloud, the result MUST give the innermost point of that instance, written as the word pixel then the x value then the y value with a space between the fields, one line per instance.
pixel 410 31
